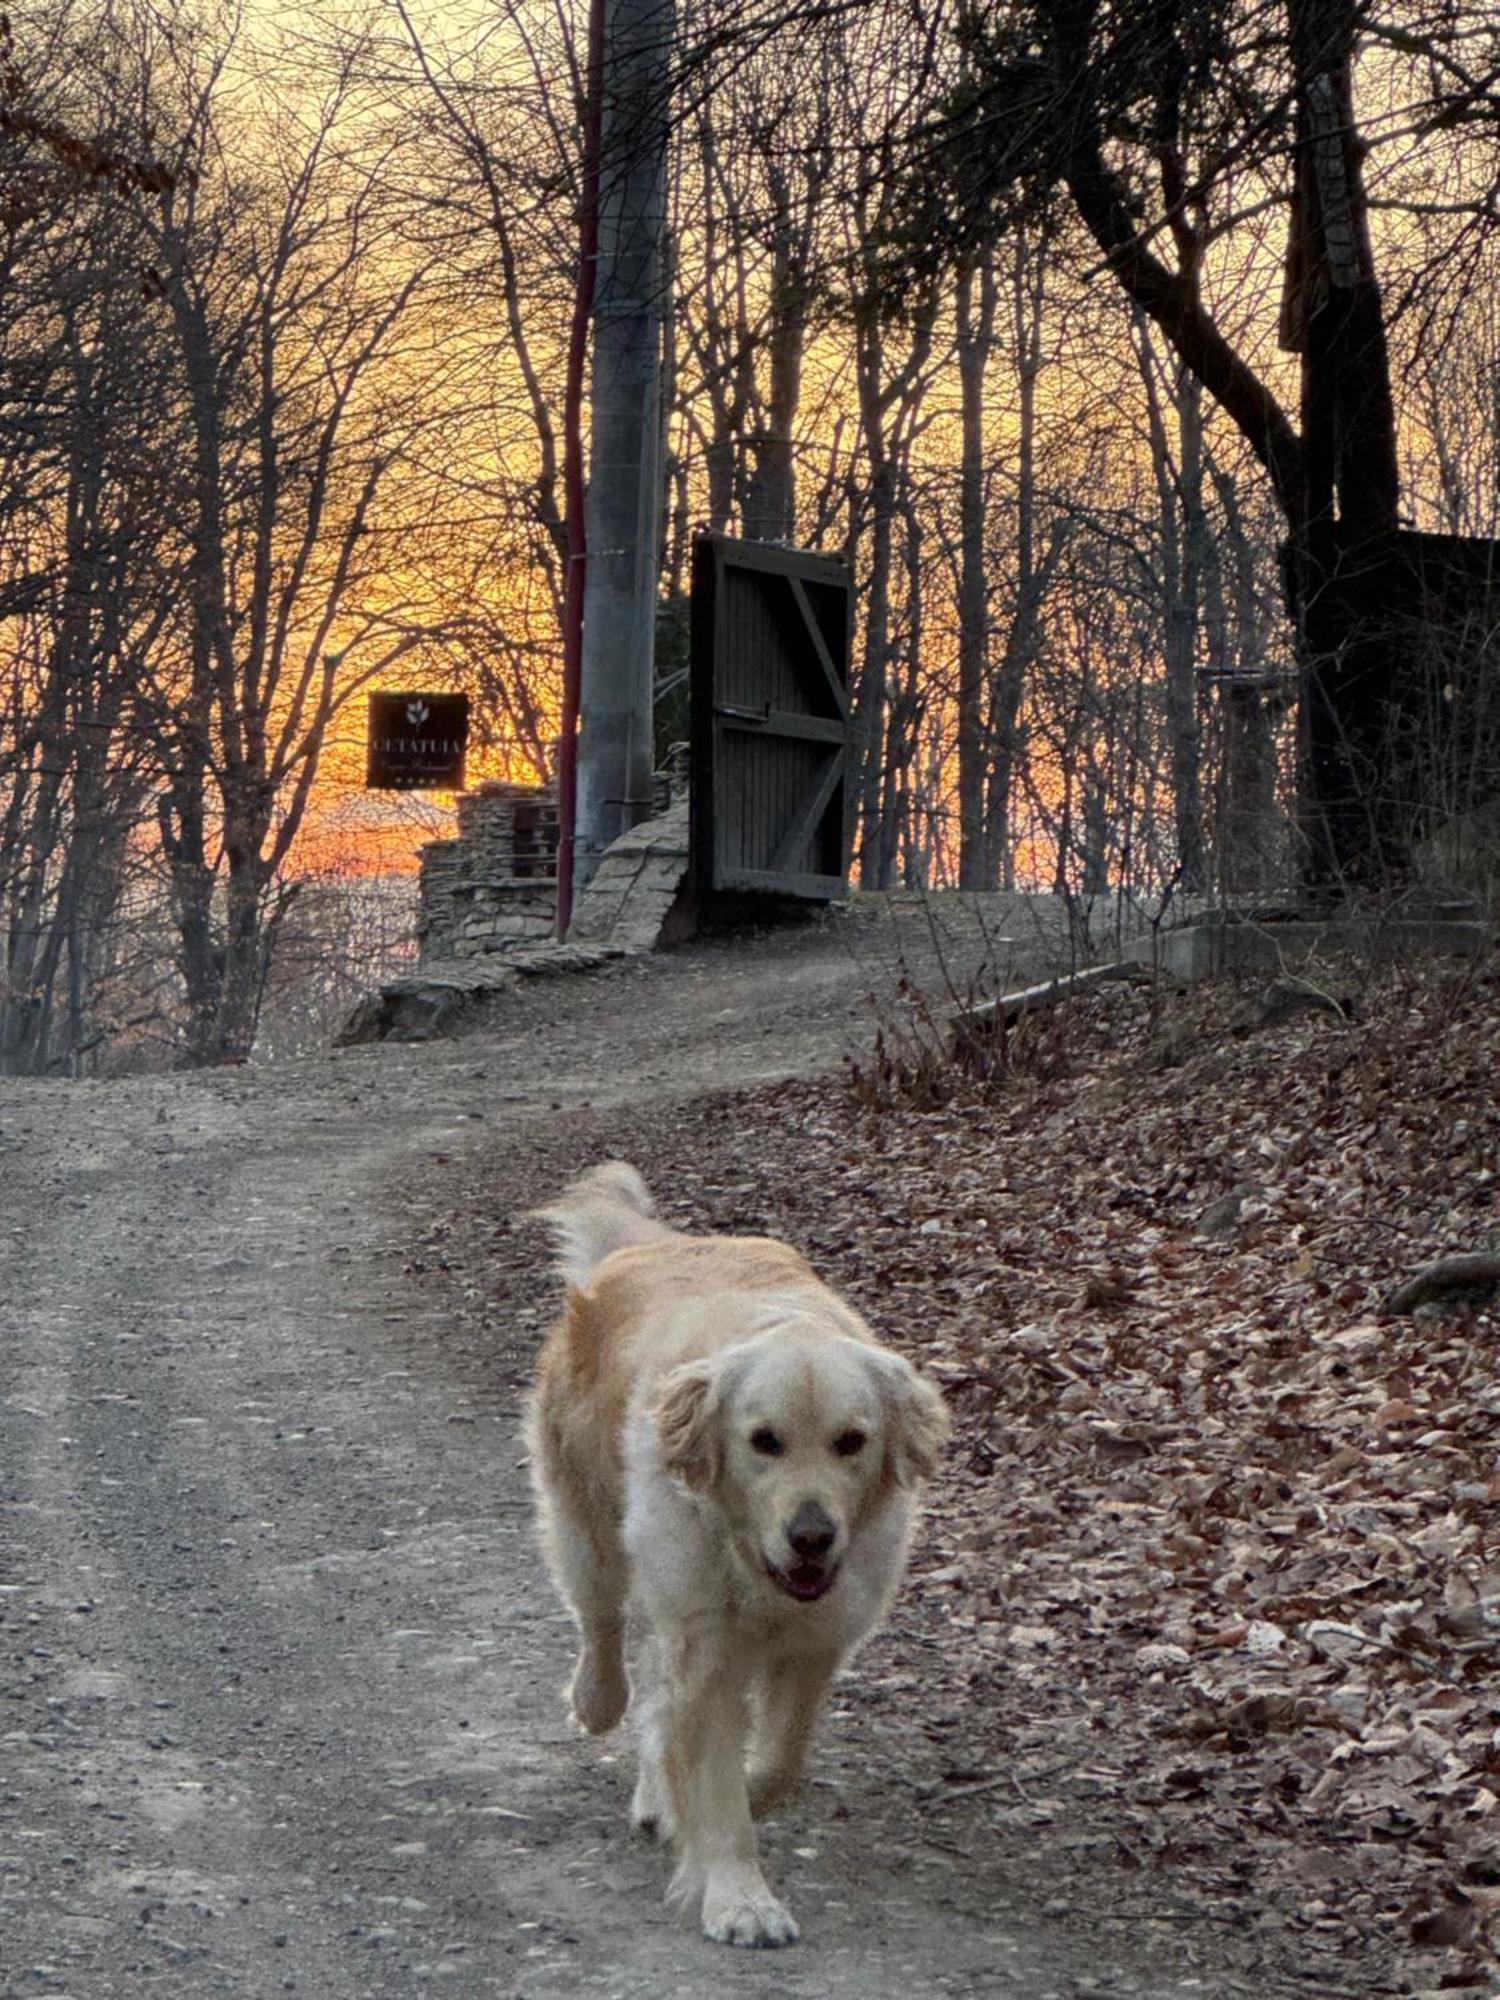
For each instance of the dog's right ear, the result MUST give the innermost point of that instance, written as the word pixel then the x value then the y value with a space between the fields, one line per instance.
pixel 687 1423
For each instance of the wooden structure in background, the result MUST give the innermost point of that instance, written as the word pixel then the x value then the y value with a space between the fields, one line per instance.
pixel 771 743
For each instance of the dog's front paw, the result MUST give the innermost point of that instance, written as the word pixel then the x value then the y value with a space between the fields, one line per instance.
pixel 743 1911
pixel 600 1693
pixel 651 1806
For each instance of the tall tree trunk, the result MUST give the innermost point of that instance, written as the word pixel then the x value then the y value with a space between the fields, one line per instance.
pixel 574 480
pixel 181 827
pixel 976 305
pixel 872 693
pixel 1179 495
pixel 1337 483
pixel 1344 536
pixel 1028 284
pixel 1183 685
pixel 898 831
pixel 1094 885
pixel 1250 834
pixel 872 689
pixel 770 510
pixel 34 939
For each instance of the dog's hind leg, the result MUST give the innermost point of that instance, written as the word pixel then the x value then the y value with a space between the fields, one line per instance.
pixel 589 1566
pixel 599 1691
pixel 787 1703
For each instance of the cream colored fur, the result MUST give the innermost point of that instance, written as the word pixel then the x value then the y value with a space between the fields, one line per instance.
pixel 720 1445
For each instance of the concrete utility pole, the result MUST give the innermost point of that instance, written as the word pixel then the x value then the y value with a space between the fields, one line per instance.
pixel 624 498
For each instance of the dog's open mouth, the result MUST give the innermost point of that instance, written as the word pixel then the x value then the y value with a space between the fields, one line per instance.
pixel 806 1581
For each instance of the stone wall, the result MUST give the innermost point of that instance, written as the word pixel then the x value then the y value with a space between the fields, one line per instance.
pixel 494 886
pixel 633 899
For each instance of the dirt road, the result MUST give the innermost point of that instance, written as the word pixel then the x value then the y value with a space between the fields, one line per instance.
pixel 280 1669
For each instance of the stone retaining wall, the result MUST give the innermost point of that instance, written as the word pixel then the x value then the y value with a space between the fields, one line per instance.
pixel 632 898
pixel 494 886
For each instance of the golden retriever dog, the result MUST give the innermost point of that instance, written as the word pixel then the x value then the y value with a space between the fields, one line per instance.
pixel 720 1446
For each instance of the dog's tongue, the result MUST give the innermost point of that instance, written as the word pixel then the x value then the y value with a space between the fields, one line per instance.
pixel 807 1580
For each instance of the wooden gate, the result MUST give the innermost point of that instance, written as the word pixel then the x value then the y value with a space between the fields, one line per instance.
pixel 770 726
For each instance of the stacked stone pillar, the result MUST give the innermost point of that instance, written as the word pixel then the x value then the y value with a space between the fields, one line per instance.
pixel 493 887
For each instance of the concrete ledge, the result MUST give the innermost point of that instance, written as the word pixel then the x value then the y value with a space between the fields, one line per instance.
pixel 1267 941
pixel 1199 950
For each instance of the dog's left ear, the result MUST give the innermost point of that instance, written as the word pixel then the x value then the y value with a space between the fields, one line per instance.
pixel 917 1418
pixel 686 1416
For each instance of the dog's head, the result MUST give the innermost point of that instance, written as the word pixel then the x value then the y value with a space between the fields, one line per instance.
pixel 796 1434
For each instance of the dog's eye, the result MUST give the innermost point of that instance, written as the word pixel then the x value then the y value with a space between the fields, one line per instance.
pixel 849 1443
pixel 766 1443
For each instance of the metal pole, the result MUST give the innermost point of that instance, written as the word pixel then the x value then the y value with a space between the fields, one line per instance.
pixel 624 500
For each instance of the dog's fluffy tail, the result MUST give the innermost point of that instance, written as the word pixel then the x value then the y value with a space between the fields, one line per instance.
pixel 599 1213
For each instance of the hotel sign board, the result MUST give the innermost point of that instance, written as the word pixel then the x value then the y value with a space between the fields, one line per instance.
pixel 417 742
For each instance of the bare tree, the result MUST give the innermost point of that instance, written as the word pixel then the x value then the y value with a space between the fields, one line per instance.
pixel 1174 409
pixel 80 527
pixel 1171 129
pixel 752 224
pixel 294 434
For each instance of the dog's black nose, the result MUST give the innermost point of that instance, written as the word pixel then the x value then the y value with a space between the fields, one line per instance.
pixel 811 1532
